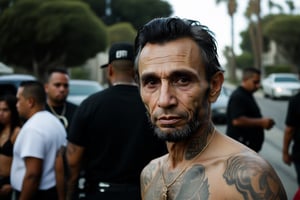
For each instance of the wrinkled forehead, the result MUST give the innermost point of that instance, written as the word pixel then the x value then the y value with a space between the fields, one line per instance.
pixel 180 53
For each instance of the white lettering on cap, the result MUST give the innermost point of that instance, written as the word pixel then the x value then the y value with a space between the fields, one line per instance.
pixel 121 54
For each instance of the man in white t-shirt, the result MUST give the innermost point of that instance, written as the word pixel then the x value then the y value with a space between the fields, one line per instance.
pixel 33 174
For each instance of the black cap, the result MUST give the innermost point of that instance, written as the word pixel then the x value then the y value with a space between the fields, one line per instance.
pixel 120 51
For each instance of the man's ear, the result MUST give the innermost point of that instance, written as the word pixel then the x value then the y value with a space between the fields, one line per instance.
pixel 110 70
pixel 216 83
pixel 46 86
pixel 31 102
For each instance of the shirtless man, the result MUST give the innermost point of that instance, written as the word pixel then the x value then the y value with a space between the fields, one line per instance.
pixel 180 76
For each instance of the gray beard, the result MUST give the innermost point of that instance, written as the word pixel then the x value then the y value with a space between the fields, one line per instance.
pixel 178 134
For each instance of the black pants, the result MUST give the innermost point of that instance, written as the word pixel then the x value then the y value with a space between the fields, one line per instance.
pixel 113 192
pixel 4 181
pixel 50 194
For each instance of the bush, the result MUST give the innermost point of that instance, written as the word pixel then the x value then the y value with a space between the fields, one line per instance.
pixel 277 69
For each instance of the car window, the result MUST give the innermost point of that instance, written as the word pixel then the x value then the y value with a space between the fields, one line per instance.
pixel 285 79
pixel 83 89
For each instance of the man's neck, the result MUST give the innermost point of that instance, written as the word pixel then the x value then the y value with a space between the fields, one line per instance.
pixel 55 104
pixel 124 83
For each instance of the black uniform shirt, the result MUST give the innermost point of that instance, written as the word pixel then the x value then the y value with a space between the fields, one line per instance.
pixel 113 127
pixel 242 103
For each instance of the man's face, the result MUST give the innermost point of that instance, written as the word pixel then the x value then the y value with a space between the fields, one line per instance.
pixel 173 88
pixel 23 104
pixel 57 88
pixel 253 83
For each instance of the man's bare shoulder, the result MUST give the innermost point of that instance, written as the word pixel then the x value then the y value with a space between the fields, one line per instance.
pixel 150 171
pixel 153 166
pixel 242 172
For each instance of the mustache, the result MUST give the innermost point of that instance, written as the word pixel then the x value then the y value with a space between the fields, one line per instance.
pixel 189 129
pixel 159 113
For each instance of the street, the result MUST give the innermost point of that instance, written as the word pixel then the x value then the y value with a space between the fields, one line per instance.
pixel 272 148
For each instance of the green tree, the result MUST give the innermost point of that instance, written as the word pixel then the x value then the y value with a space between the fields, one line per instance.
pixel 244 60
pixel 3 5
pixel 38 34
pixel 231 7
pixel 285 31
pixel 137 12
pixel 121 32
pixel 246 44
pixel 272 5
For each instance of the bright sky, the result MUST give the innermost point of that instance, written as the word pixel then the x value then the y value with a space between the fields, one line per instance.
pixel 216 18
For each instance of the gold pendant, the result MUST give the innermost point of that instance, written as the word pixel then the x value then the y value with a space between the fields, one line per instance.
pixel 165 193
pixel 64 120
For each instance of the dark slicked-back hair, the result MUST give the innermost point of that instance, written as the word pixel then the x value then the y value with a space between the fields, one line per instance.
pixel 56 70
pixel 35 90
pixel 161 30
pixel 249 72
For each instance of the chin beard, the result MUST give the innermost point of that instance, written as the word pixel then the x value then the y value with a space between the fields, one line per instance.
pixel 181 134
pixel 61 101
pixel 178 134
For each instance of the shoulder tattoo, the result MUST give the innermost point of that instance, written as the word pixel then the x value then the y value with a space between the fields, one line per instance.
pixel 253 178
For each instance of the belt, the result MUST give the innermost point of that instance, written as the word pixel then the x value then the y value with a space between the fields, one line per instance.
pixel 50 193
pixel 110 187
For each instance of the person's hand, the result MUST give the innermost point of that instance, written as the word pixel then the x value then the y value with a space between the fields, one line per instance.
pixel 287 158
pixel 5 189
pixel 268 123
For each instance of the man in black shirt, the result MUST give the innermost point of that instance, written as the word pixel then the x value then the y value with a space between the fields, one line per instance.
pixel 244 119
pixel 292 135
pixel 57 89
pixel 110 131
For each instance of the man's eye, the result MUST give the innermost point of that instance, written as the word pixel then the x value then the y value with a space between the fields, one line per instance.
pixel 183 80
pixel 151 82
pixel 60 84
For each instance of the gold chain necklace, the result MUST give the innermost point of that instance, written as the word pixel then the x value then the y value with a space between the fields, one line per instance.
pixel 61 116
pixel 167 186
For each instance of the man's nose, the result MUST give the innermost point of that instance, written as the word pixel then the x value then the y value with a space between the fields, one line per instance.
pixel 167 96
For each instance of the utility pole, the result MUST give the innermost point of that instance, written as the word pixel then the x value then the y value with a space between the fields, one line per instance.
pixel 108 12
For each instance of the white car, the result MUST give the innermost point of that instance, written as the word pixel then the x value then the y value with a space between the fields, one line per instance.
pixel 81 89
pixel 9 83
pixel 280 85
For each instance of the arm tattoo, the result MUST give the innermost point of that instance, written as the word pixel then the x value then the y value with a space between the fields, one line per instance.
pixel 253 178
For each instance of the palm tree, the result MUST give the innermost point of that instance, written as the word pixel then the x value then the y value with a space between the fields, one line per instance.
pixel 232 6
pixel 291 5
pixel 271 5
pixel 253 13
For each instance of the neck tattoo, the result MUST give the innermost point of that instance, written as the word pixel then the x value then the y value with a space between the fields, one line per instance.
pixel 61 117
pixel 166 186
